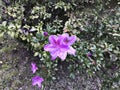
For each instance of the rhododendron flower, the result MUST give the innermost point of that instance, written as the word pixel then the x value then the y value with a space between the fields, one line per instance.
pixel 37 81
pixel 60 45
pixel 34 68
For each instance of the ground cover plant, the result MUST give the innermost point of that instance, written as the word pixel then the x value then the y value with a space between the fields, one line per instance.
pixel 84 34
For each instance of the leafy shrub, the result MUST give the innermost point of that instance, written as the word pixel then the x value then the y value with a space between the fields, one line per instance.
pixel 98 36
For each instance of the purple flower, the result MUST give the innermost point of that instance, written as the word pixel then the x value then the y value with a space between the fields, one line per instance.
pixel 89 54
pixel 45 33
pixel 34 67
pixel 37 81
pixel 59 46
pixel 68 40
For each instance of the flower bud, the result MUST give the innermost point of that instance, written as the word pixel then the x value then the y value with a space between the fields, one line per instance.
pixel 45 33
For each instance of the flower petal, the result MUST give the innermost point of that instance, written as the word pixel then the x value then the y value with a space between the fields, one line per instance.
pixel 62 55
pixel 54 54
pixel 37 81
pixel 72 39
pixel 64 47
pixel 49 47
pixel 53 39
pixel 34 68
pixel 65 35
pixel 71 50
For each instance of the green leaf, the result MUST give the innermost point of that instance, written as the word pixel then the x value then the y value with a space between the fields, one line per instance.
pixel 36 54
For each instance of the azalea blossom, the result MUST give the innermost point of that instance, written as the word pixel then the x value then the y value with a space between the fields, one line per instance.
pixel 34 68
pixel 37 80
pixel 60 45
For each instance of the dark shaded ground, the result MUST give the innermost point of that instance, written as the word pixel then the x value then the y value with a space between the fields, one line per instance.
pixel 15 66
pixel 15 72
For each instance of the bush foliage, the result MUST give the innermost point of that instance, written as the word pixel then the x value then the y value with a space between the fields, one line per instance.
pixel 96 24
